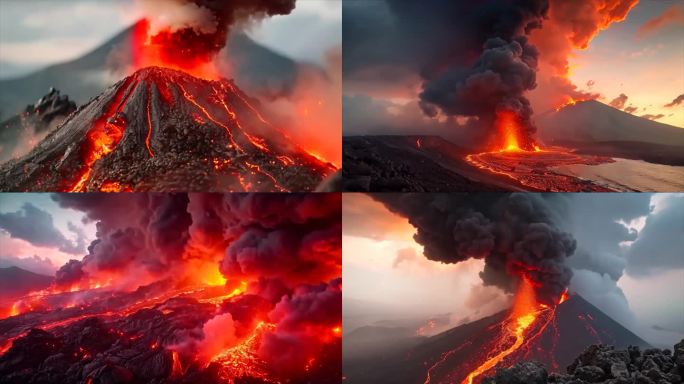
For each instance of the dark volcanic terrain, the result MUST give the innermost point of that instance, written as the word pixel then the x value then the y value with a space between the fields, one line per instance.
pixel 449 356
pixel 605 365
pixel 408 164
pixel 164 130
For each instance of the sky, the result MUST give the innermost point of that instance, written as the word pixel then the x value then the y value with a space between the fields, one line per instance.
pixel 628 263
pixel 645 65
pixel 38 235
pixel 37 33
pixel 635 64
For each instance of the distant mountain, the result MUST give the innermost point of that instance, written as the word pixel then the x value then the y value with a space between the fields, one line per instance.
pixel 597 128
pixel 451 355
pixel 16 282
pixel 257 69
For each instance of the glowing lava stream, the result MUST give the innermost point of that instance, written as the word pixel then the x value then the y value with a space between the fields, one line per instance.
pixel 105 134
pixel 191 99
pixel 523 315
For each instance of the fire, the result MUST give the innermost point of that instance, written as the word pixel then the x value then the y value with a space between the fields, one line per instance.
pixel 104 136
pixel 176 368
pixel 523 315
pixel 150 50
pixel 508 128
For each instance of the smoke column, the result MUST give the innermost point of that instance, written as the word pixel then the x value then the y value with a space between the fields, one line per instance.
pixel 515 235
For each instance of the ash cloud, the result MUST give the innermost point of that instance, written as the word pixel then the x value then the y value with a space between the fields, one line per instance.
pixel 37 227
pixel 471 68
pixel 196 30
pixel 515 234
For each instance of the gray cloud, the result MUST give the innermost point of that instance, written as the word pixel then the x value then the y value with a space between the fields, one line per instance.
pixel 660 245
pixel 36 226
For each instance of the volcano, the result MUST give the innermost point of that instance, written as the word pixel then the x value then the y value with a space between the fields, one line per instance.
pixel 554 338
pixel 165 130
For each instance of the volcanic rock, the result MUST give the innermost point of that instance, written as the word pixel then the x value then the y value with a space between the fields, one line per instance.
pixel 449 356
pixel 650 367
pixel 33 122
pixel 164 130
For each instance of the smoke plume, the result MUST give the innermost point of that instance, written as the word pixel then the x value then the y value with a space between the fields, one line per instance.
pixel 281 252
pixel 515 234
pixel 503 72
pixel 196 30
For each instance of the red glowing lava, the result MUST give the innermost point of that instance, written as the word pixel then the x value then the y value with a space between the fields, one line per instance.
pixel 524 313
pixel 104 136
pixel 161 50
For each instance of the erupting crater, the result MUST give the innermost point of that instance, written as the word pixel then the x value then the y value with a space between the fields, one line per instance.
pixel 164 130
pixel 517 156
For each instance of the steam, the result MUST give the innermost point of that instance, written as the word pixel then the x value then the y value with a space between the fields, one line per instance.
pixel 515 234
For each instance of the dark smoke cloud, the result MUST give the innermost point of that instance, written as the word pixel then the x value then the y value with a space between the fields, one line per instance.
pixel 303 318
pixel 619 102
pixel 138 232
pixel 472 67
pixel 196 30
pixel 677 100
pixel 296 236
pixel 515 234
pixel 36 226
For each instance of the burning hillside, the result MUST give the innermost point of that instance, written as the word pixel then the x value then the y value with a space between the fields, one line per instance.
pixel 164 130
pixel 188 288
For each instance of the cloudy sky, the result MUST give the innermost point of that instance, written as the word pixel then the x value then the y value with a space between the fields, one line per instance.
pixel 38 235
pixel 37 33
pixel 635 64
pixel 628 263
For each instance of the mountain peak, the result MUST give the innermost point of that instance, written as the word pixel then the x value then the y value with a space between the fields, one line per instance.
pixel 164 130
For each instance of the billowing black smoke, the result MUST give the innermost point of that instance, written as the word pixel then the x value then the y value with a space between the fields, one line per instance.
pixel 515 234
pixel 474 57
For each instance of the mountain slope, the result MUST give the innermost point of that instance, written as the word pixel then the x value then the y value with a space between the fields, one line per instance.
pixel 16 282
pixel 451 355
pixel 164 130
pixel 257 69
pixel 591 121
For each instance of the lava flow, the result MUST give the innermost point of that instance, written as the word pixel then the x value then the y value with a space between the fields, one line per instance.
pixel 523 314
pixel 526 324
pixel 519 158
pixel 211 288
pixel 159 129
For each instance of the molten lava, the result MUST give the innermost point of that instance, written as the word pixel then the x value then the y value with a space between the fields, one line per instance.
pixel 524 313
pixel 171 50
pixel 508 129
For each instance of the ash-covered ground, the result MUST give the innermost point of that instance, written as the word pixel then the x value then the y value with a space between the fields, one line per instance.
pixel 164 130
pixel 603 364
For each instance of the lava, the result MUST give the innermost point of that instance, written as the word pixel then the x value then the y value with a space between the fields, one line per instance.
pixel 242 360
pixel 522 316
pixel 104 135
